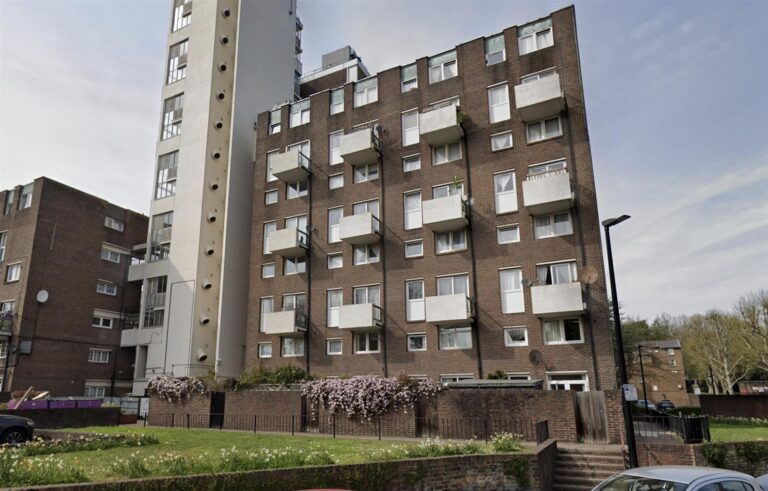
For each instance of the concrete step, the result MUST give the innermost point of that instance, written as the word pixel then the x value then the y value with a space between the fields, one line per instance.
pixel 592 473
pixel 588 464
pixel 568 459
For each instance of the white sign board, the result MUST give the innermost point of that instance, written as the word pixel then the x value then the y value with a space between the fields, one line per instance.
pixel 630 392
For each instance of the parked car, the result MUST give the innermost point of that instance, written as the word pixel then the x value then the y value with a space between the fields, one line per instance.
pixel 15 429
pixel 642 403
pixel 681 478
pixel 666 405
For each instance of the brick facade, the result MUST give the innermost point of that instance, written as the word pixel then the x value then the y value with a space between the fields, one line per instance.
pixel 664 372
pixel 752 406
pixel 649 454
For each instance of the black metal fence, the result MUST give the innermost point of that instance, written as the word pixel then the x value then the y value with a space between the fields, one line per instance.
pixel 402 427
pixel 667 427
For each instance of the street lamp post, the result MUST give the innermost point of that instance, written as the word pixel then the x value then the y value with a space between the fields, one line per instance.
pixel 642 377
pixel 628 426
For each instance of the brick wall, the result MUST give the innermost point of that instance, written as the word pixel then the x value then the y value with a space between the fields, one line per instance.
pixel 680 454
pixel 394 424
pixel 69 418
pixel 738 406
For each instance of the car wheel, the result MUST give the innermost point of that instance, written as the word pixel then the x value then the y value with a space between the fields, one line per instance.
pixel 14 436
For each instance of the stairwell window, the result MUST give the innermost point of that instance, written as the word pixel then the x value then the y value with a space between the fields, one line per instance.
pixel 412 210
pixel 414 306
pixel 337 101
pixel 498 103
pixel 299 113
pixel 106 288
pixel 534 37
pixel 544 129
pixel 408 78
pixel 366 92
pixel 442 67
pixel 552 225
pixel 173 109
pixel 504 189
pixel 494 50
pixel 182 14
pixel 510 281
pixel 410 124
pixel 565 331
pixel 177 61
pixel 334 224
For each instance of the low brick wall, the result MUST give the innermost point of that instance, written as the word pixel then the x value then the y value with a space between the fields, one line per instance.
pixel 749 457
pixel 546 459
pixel 500 471
pixel 69 418
pixel 751 406
pixel 396 424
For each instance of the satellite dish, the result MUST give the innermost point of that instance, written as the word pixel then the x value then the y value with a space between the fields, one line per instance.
pixel 42 296
pixel 535 357
pixel 526 282
pixel 588 275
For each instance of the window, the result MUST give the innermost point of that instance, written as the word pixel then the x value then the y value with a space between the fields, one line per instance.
pixel 335 261
pixel 417 342
pixel 414 248
pixel 101 321
pixel 672 362
pixel 271 197
pixel 8 206
pixel 154 301
pixel 516 336
pixel 556 273
pixel 508 234
pixel 106 288
pixel 447 379
pixel 172 112
pixel 368 172
pixel 366 342
pixel 567 331
pixel 494 50
pixel 506 195
pixel 182 14
pixel 446 153
pixel 267 307
pixel 366 254
pixel 335 300
pixel 294 265
pixel 455 338
pixel 518 376
pixel 269 227
pixel 366 92
pixel 366 294
pixel 294 301
pixel 445 190
pixel 671 351
pixel 160 236
pixel 270 157
pixel 91 391
pixel 411 164
pixel 510 281
pixel 412 210
pixel 13 273
pixel 334 229
pixel 25 200
pixel 166 175
pixel 552 225
pixel 501 141
pixel 333 346
pixel 268 270
pixel 408 78
pixel 337 101
pixel 336 181
pixel 114 223
pixel 455 240
pixel 541 130
pixel 364 207
pixel 297 189
pixel 334 146
pixel 498 103
pixel 453 285
pixel 567 381
pixel 98 355
pixel 299 113
pixel 265 350
pixel 110 255
pixel 4 348
pixel 293 347
pixel 177 62
pixel 410 123
pixel 352 74
pixel 275 124
pixel 3 244
pixel 538 76
pixel 546 168
pixel 414 298
pixel 535 36
pixel 442 67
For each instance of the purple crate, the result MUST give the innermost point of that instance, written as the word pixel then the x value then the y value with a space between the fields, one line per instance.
pixel 11 404
pixel 90 404
pixel 62 404
pixel 33 405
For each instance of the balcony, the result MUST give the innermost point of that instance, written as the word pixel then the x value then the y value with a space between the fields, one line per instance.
pixel 548 192
pixel 447 310
pixel 136 272
pixel 286 323
pixel 440 125
pixel 360 317
pixel 360 147
pixel 289 242
pixel 360 229
pixel 291 166
pixel 139 337
pixel 540 99
pixel 445 214
pixel 555 301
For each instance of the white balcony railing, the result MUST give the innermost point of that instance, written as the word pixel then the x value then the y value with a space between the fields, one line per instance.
pixel 291 166
pixel 360 229
pixel 539 99
pixel 548 192
pixel 364 316
pixel 552 301
pixel 449 309
pixel 445 214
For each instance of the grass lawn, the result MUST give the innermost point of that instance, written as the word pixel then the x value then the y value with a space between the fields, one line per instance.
pixel 723 432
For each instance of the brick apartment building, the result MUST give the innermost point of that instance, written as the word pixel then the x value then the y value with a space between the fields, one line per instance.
pixel 64 257
pixel 435 219
pixel 664 372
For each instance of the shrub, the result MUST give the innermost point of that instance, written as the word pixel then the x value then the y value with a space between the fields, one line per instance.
pixel 174 389
pixel 15 471
pixel 427 448
pixel 506 442
pixel 284 375
pixel 497 375
pixel 95 442
pixel 715 454
pixel 733 420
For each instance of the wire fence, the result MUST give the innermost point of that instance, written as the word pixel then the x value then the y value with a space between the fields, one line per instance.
pixel 333 425
pixel 686 429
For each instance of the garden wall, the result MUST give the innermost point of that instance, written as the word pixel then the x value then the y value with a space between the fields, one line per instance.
pixel 69 418
pixel 751 406
pixel 749 457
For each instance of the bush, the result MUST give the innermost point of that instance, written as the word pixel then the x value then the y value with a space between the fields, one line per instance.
pixel 284 375
pixel 427 448
pixel 15 471
pixel 732 420
pixel 497 375
pixel 174 389
pixel 715 454
pixel 96 442
pixel 506 442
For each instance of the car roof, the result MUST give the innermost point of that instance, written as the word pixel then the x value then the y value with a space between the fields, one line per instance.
pixel 683 474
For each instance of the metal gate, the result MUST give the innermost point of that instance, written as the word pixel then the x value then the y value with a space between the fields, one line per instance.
pixel 216 419
pixel 591 417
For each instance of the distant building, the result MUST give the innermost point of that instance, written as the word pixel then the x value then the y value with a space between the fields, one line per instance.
pixel 64 294
pixel 664 372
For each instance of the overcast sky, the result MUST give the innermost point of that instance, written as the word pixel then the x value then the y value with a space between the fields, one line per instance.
pixel 676 101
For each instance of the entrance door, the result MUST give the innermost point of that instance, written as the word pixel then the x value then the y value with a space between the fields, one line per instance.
pixel 216 418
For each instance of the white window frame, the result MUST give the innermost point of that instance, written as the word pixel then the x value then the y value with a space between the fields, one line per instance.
pixel 94 391
pixel 412 217
pixel 114 223
pixel 443 72
pixel 330 341
pixel 542 127
pixel 512 301
pixel 332 313
pixel 536 76
pixel 334 230
pixel 537 29
pixel 294 353
pixel 453 244
pixel 499 111
pixel 503 228
pixel 408 84
pixel 415 306
pixel 447 378
pixel 449 189
pixel 488 53
pixel 369 294
pixel 271 197
pixel 514 344
pixel 551 225
pixel 369 257
pixel 265 268
pixel 368 336
pixel 295 190
pixel 336 181
pixel 334 148
pixel 507 135
pixel 455 330
pixel 334 255
pixel 275 127
pixel 583 379
pixel 270 156
pixel 420 242
pixel 98 320
pixel 549 167
pixel 365 173
pixel 301 115
pixel 269 228
pixel 453 278
pixel 409 160
pixel 104 287
pixel 110 255
pixel 415 335
pixel 546 270
pixel 561 331
pixel 263 311
pixel 297 265
pixel 366 95
pixel 410 134
pixel 262 354
pixel 96 355
pixel 447 149
pixel 505 201
pixel 337 107
pixel 3 244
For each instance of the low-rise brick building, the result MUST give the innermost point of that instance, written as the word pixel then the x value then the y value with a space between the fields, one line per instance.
pixel 663 370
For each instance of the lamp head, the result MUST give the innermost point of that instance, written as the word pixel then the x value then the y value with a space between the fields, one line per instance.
pixel 615 221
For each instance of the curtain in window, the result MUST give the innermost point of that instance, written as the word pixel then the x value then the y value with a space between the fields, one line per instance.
pixel 494 44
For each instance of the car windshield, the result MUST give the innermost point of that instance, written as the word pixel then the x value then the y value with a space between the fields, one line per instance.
pixel 630 483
